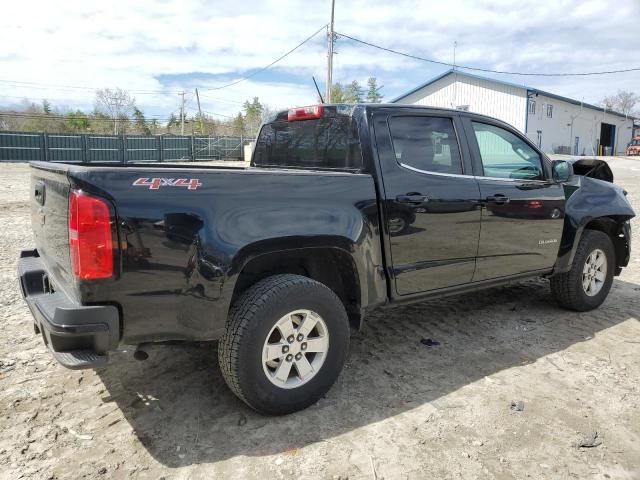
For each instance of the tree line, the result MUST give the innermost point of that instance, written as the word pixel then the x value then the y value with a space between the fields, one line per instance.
pixel 116 112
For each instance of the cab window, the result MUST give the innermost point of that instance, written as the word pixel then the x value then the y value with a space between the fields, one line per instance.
pixel 505 155
pixel 426 143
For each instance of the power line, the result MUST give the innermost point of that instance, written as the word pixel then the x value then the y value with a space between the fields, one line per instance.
pixel 2 95
pixel 487 70
pixel 223 100
pixel 271 64
pixel 211 113
pixel 47 86
pixel 44 116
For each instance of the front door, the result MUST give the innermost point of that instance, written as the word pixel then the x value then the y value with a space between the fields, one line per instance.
pixel 523 209
pixel 431 210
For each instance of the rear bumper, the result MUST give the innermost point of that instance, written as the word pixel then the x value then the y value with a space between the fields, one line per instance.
pixel 79 336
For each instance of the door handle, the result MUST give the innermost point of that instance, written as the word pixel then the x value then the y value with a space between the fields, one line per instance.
pixel 497 199
pixel 412 198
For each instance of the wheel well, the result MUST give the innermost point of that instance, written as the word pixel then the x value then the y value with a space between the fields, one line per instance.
pixel 330 266
pixel 611 226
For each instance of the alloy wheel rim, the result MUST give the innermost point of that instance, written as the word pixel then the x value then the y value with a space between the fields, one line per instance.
pixel 396 224
pixel 295 349
pixel 594 272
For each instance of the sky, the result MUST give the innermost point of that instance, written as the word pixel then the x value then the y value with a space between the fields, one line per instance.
pixel 65 50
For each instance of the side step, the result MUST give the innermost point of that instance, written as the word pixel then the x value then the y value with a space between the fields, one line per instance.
pixel 79 359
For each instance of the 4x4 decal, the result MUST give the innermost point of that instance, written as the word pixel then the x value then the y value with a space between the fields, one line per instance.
pixel 156 183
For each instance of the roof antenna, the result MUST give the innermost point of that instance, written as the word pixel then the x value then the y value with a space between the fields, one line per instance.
pixel 317 89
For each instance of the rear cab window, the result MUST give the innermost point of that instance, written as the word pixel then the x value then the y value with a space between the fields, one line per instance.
pixel 329 142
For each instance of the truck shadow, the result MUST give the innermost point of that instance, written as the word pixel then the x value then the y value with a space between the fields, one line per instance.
pixel 182 412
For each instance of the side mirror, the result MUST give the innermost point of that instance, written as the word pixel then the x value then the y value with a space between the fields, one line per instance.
pixel 562 170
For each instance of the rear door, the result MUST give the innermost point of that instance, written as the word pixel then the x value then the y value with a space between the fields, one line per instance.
pixel 523 209
pixel 431 211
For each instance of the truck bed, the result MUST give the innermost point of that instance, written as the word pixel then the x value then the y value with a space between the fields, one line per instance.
pixel 184 232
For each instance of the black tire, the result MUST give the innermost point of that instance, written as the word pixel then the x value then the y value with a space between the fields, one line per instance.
pixel 567 287
pixel 399 224
pixel 251 319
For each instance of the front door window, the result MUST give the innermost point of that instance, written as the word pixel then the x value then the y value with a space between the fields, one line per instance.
pixel 505 155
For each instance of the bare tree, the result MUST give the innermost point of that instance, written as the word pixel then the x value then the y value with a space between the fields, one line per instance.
pixel 622 102
pixel 117 104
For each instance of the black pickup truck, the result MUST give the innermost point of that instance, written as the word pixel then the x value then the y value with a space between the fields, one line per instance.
pixel 344 209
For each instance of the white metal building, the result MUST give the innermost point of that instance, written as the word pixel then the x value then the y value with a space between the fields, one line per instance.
pixel 556 124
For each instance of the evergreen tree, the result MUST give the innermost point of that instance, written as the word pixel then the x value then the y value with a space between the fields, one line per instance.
pixel 46 106
pixel 140 122
pixel 238 125
pixel 337 94
pixel 172 122
pixel 353 93
pixel 373 94
pixel 252 115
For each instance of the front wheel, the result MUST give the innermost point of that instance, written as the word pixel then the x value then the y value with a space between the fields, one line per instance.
pixel 285 343
pixel 587 284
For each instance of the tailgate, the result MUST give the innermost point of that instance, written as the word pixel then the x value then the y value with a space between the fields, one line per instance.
pixel 49 201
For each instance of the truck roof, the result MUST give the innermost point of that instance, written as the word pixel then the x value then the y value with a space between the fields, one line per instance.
pixel 357 109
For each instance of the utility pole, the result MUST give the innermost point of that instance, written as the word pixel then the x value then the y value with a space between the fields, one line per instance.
pixel 199 112
pixel 455 46
pixel 331 39
pixel 182 112
pixel 454 103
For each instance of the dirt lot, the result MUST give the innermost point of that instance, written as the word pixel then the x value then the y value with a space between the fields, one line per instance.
pixel 400 409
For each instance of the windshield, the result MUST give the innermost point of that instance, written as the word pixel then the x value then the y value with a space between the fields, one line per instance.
pixel 323 143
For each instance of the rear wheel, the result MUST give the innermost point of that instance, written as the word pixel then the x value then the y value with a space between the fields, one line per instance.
pixel 587 284
pixel 285 343
pixel 398 224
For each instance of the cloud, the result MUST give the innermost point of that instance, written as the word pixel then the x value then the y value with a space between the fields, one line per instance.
pixel 174 45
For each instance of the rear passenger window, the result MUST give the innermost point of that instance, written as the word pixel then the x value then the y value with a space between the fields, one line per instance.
pixel 426 143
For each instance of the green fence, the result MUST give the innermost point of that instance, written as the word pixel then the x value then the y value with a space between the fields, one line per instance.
pixel 90 148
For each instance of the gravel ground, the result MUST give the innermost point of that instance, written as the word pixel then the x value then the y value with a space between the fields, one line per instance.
pixel 511 389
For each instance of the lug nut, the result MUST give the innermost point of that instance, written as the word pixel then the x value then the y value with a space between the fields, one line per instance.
pixel 303 346
pixel 289 357
pixel 298 356
pixel 290 339
pixel 285 349
pixel 300 337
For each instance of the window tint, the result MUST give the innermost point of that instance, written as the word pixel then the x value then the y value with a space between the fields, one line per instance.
pixel 505 155
pixel 426 143
pixel 324 143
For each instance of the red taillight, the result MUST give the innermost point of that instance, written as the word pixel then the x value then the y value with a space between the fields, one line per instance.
pixel 90 243
pixel 305 113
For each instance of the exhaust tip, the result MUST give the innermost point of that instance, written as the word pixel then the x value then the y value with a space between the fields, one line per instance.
pixel 140 355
